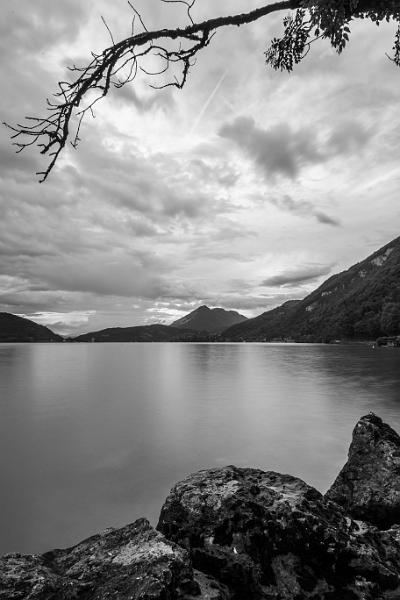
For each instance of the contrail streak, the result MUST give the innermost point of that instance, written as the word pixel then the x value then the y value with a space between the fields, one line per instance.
pixel 208 102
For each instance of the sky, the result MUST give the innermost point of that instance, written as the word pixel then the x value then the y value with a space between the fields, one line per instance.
pixel 247 188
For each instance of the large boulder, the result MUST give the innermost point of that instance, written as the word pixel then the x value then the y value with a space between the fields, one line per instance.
pixel 242 534
pixel 272 536
pixel 132 563
pixel 368 486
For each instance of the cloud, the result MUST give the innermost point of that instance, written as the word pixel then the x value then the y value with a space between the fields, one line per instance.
pixel 283 150
pixel 158 99
pixel 17 167
pixel 62 323
pixel 348 136
pixel 303 208
pixel 158 188
pixel 221 172
pixel 326 219
pixel 36 28
pixel 109 277
pixel 297 277
pixel 279 150
pixel 146 212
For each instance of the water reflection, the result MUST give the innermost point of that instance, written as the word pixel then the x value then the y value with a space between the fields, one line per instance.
pixel 94 435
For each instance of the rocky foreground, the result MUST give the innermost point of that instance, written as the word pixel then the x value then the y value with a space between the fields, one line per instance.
pixel 242 534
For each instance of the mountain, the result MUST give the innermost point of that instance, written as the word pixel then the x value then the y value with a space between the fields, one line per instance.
pixel 18 329
pixel 360 303
pixel 212 320
pixel 141 333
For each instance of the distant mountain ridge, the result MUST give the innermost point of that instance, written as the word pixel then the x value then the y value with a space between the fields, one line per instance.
pixel 360 303
pixel 140 333
pixel 212 320
pixel 19 329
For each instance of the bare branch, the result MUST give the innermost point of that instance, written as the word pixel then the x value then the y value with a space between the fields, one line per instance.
pixel 137 13
pixel 108 29
pixel 313 19
pixel 189 5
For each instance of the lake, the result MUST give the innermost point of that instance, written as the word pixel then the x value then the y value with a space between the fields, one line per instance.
pixel 95 435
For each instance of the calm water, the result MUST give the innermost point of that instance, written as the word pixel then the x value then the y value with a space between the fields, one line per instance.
pixel 94 435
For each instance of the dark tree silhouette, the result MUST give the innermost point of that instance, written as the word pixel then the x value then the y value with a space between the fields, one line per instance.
pixel 120 63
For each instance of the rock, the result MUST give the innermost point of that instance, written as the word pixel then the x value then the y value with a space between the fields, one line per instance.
pixel 210 588
pixel 242 534
pixel 28 578
pixel 271 536
pixel 135 562
pixel 368 486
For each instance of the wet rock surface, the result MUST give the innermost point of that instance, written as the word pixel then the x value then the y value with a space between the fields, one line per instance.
pixel 242 534
pixel 134 562
pixel 368 486
pixel 267 535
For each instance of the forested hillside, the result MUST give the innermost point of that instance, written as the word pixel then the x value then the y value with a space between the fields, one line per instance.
pixel 360 303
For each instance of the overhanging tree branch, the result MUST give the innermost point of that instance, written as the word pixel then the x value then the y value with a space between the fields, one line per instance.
pixel 119 64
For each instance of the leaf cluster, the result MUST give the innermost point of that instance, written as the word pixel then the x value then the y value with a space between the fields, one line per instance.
pixel 327 19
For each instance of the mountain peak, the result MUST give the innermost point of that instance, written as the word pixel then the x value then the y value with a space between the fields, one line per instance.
pixel 212 320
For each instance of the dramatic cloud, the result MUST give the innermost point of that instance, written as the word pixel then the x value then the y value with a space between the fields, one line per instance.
pixel 180 198
pixel 279 150
pixel 283 150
